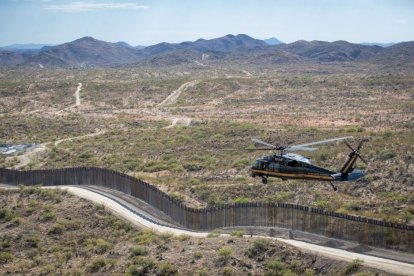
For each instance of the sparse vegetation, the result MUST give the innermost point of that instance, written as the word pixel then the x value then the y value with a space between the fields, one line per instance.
pixel 80 241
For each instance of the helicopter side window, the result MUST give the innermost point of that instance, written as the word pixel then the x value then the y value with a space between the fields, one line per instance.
pixel 293 163
pixel 263 165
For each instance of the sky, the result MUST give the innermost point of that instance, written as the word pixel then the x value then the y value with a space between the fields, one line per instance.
pixel 147 22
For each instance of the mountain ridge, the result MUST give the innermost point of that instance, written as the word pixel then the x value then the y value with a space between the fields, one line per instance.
pixel 90 52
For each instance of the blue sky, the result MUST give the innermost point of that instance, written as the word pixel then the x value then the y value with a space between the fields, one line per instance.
pixel 146 22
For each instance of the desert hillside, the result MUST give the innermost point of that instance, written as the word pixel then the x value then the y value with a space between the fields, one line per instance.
pixel 48 231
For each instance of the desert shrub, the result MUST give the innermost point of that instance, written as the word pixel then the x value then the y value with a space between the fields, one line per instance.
pixel 48 215
pixel 276 268
pixel 138 251
pixel 15 222
pixel 167 269
pixel 229 271
pixel 242 200
pixel 198 255
pixel 85 155
pixel 225 253
pixel 387 154
pixel 140 265
pixel 258 247
pixel 5 257
pixel 213 234
pixel 309 272
pixel 183 237
pixel 102 246
pixel 56 229
pixel 6 214
pixel 241 163
pixel 280 197
pixel 237 233
pixel 32 241
pixel 353 206
pixel 323 204
pixel 353 267
pixel 133 270
pixel 145 237
pixel 178 197
pixel 70 224
pixel 202 272
pixel 50 194
pixel 96 265
pixel 5 243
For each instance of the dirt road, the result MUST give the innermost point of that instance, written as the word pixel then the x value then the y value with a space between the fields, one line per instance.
pixel 171 99
pixel 77 100
pixel 117 208
pixel 25 158
pixel 77 94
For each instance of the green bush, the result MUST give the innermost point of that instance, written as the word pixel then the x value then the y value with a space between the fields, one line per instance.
pixel 102 246
pixel 146 262
pixel 353 267
pixel 56 229
pixel 32 241
pixel 237 233
pixel 48 216
pixel 229 271
pixel 70 224
pixel 7 214
pixel 202 272
pixel 96 265
pixel 241 163
pixel 167 269
pixel 276 268
pixel 145 237
pixel 323 204
pixel 213 234
pixel 225 253
pixel 140 265
pixel 198 255
pixel 5 257
pixel 242 200
pixel 387 154
pixel 183 237
pixel 258 247
pixel 138 251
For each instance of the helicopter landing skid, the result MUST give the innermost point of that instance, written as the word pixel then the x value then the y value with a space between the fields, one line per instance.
pixel 333 186
pixel 264 179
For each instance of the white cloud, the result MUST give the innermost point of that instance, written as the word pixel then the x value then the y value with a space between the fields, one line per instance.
pixel 85 6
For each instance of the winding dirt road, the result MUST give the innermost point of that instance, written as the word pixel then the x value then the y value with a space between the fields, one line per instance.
pixel 118 208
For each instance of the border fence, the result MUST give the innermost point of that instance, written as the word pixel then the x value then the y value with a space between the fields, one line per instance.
pixel 268 214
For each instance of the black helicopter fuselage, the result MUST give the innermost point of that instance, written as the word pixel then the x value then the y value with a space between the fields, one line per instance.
pixel 284 167
pixel 287 165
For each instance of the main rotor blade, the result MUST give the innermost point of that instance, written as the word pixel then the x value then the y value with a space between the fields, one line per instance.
pixel 362 159
pixel 349 146
pixel 302 148
pixel 299 147
pixel 264 143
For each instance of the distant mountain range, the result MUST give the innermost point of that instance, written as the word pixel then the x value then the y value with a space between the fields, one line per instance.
pixel 90 52
pixel 273 41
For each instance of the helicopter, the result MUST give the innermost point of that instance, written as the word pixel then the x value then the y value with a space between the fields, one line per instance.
pixel 288 165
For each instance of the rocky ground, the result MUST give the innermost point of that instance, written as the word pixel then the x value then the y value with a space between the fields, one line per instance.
pixel 47 231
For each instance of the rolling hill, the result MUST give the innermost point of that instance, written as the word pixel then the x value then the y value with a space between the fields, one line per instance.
pixel 90 52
